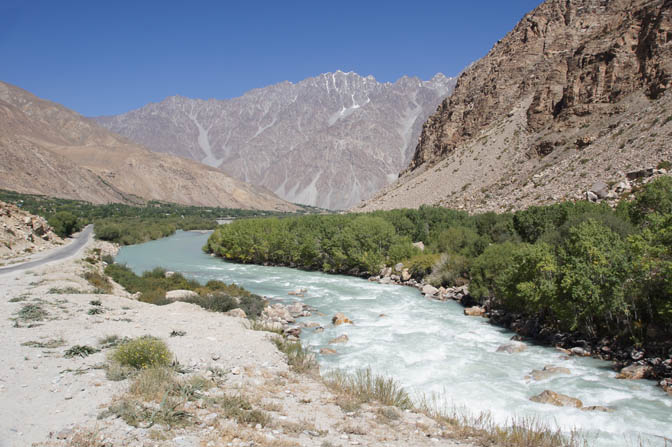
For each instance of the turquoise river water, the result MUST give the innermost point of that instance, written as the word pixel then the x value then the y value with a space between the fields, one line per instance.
pixel 432 349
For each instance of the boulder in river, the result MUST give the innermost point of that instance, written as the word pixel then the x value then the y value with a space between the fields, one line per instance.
pixel 310 324
pixel 579 351
pixel 340 339
pixel 340 318
pixel 557 399
pixel 547 371
pixel 634 372
pixel 295 308
pixel 179 295
pixel 475 311
pixel 512 348
pixel 277 313
pixel 429 290
pixel 328 351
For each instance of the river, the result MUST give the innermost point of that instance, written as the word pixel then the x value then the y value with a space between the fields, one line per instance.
pixel 432 349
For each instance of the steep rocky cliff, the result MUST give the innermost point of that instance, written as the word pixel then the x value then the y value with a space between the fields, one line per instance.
pixel 22 233
pixel 575 93
pixel 48 149
pixel 331 140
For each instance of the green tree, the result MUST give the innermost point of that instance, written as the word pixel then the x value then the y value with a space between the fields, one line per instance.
pixel 594 270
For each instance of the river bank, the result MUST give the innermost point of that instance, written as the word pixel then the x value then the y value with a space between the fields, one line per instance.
pixel 652 362
pixel 53 399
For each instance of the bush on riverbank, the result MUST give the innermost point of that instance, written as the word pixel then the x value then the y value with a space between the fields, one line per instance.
pixel 214 295
pixel 580 267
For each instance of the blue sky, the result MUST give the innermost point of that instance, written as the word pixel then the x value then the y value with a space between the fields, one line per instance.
pixel 108 57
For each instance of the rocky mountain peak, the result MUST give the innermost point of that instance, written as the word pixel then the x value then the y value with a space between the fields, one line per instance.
pixel 329 140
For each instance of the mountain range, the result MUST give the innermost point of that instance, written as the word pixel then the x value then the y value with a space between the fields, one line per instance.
pixel 575 95
pixel 48 149
pixel 328 141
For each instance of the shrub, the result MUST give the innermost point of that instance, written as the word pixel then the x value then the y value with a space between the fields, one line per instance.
pixel 80 351
pixel 421 265
pixel 32 312
pixel 143 352
pixel 486 268
pixel 64 223
pixel 100 283
pixel 450 270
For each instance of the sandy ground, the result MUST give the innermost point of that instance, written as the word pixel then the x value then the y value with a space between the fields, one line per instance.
pixel 48 399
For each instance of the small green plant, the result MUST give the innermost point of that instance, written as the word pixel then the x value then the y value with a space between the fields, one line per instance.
pixel 64 290
pixel 18 299
pixel 664 164
pixel 80 351
pixel 32 312
pixel 240 409
pixel 96 311
pixel 108 259
pixel 175 333
pixel 110 341
pixel 143 352
pixel 95 303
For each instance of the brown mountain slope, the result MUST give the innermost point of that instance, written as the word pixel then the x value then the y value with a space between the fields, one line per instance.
pixel 575 93
pixel 46 148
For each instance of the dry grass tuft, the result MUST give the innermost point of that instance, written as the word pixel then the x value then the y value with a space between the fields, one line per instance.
pixel 520 432
pixel 363 387
pixel 300 360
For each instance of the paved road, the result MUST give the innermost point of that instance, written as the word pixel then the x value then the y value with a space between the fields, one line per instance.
pixel 56 254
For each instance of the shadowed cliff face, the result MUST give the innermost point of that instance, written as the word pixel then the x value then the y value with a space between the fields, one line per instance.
pixel 569 70
pixel 329 141
pixel 48 149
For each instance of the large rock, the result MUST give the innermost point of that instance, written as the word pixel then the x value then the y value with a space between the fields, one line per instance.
pixel 339 319
pixel 405 275
pixel 180 295
pixel 634 372
pixel 237 312
pixel 512 348
pixel 328 351
pixel 277 313
pixel 430 290
pixel 475 311
pixel 340 339
pixel 419 245
pixel 548 371
pixel 577 350
pixel 295 308
pixel 600 189
pixel 557 399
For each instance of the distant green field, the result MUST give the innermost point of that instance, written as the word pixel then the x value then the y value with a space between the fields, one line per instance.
pixel 127 224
